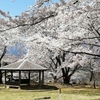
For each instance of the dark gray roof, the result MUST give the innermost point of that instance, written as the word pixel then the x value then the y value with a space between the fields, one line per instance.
pixel 24 65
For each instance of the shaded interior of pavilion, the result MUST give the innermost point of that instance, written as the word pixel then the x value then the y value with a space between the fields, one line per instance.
pixel 18 68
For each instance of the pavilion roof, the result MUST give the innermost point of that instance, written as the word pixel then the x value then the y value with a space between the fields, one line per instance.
pixel 24 65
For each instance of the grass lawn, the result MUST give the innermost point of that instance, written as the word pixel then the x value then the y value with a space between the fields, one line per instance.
pixel 67 93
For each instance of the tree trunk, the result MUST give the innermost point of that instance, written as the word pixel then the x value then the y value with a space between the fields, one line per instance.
pixel 66 77
pixel 55 79
pixel 94 81
pixel 67 80
pixel 94 84
pixel 3 54
pixel 93 78
pixel 0 75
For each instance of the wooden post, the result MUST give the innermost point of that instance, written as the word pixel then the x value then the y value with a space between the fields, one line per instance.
pixel 5 78
pixel 19 79
pixel 29 77
pixel 39 78
pixel 42 77
pixel 11 75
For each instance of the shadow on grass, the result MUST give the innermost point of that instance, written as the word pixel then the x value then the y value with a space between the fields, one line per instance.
pixel 37 87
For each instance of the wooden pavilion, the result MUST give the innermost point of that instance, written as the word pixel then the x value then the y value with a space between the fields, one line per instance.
pixel 20 66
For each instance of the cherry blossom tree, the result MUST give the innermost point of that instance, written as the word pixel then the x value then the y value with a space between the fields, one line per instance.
pixel 71 27
pixel 72 30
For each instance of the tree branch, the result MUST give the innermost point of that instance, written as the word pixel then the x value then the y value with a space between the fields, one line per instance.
pixel 86 44
pixel 31 24
pixel 76 52
pixel 80 39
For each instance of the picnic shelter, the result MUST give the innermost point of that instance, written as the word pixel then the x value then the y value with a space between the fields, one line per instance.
pixel 21 66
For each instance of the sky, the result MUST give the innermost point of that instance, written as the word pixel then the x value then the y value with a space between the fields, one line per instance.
pixel 15 7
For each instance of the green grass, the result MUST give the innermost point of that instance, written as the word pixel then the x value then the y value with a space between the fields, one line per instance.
pixel 67 93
